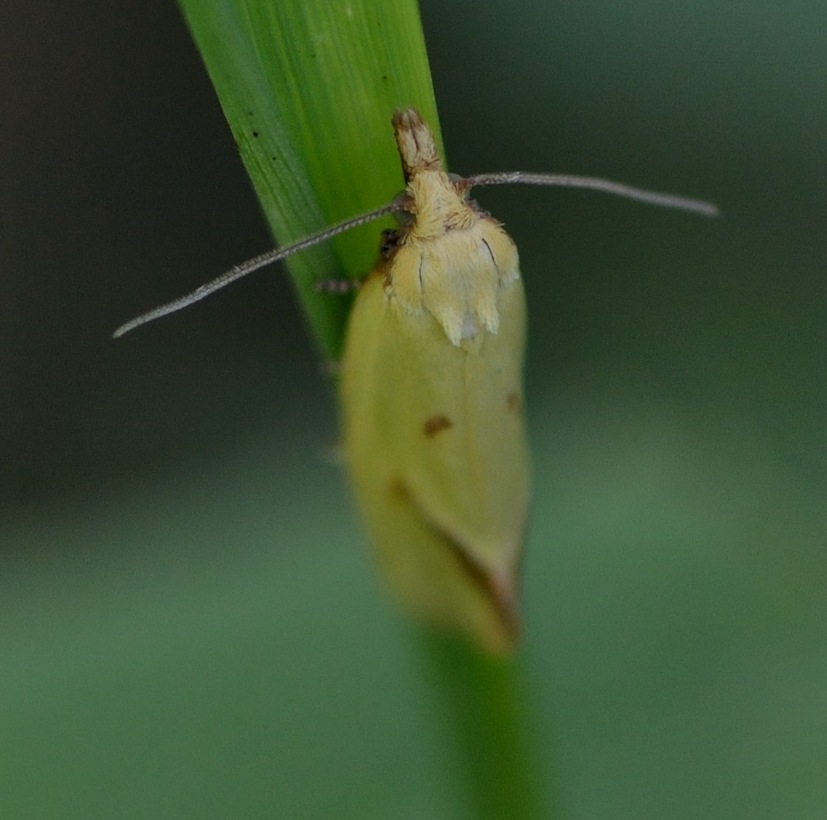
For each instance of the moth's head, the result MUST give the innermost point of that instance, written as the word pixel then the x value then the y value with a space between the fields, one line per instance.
pixel 416 143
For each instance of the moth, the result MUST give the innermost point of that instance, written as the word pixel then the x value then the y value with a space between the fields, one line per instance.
pixel 431 390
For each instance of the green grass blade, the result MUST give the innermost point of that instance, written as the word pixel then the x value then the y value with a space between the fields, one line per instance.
pixel 308 88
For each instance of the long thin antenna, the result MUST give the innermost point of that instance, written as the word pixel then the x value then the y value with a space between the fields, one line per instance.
pixel 697 206
pixel 557 180
pixel 260 261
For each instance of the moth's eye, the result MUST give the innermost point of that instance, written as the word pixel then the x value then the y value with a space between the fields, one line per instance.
pixel 403 216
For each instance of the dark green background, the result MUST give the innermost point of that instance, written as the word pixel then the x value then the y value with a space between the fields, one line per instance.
pixel 188 627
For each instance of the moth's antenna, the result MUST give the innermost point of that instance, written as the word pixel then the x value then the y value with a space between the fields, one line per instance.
pixel 399 204
pixel 697 206
pixel 260 261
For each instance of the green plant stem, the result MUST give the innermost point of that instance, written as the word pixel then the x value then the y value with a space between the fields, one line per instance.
pixel 486 711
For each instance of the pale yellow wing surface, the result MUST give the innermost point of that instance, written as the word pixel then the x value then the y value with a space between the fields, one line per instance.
pixel 434 441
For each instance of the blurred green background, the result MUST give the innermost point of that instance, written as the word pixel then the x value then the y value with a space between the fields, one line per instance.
pixel 188 625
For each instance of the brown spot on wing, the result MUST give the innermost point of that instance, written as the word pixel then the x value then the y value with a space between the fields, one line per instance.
pixel 398 489
pixel 514 402
pixel 436 424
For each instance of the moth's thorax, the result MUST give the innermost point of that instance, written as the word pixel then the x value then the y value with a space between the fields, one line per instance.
pixel 456 277
pixel 451 261
pixel 437 207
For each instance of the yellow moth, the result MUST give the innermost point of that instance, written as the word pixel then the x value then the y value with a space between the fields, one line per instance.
pixel 433 434
pixel 432 404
